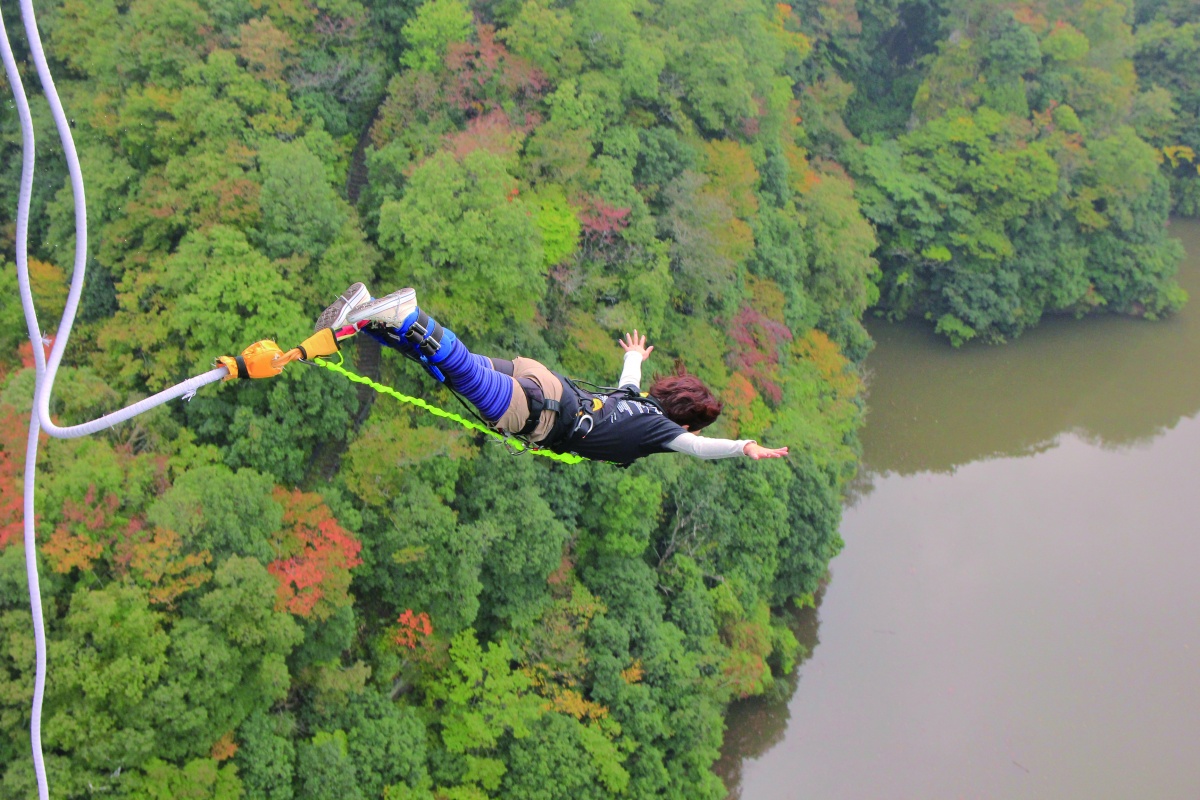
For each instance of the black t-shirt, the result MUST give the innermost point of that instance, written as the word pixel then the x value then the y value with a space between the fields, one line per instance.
pixel 623 431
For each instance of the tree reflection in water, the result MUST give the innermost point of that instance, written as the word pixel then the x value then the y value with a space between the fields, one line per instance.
pixel 755 725
pixel 1115 382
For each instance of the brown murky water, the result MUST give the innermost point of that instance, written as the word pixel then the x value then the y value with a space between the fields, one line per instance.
pixel 1016 613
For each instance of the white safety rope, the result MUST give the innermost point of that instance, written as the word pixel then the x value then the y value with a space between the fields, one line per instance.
pixel 46 370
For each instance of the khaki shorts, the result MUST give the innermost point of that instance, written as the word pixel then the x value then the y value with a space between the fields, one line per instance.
pixel 517 415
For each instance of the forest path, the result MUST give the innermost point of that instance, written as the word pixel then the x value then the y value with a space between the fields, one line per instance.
pixel 327 456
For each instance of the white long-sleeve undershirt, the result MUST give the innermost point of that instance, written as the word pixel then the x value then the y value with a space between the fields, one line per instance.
pixel 689 443
pixel 705 447
pixel 631 371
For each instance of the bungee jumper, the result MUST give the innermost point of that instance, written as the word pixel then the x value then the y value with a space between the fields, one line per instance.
pixel 524 399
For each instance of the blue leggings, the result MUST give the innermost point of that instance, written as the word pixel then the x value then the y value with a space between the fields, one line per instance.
pixel 473 376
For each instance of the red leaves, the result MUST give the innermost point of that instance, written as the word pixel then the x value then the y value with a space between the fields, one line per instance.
pixel 601 221
pixel 12 494
pixel 413 629
pixel 316 555
pixel 491 131
pixel 484 74
pixel 25 349
pixel 600 218
pixel 757 342
pixel 81 536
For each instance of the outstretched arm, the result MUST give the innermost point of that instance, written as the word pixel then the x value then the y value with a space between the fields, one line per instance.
pixel 635 353
pixel 704 447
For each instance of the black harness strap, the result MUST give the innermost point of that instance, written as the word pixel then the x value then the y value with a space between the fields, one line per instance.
pixel 538 402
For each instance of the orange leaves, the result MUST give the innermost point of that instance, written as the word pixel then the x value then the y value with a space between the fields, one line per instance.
pixel 1032 18
pixel 266 50
pixel 745 670
pixel 224 748
pixel 744 411
pixel 65 551
pixel 316 555
pixel 571 702
pixel 801 176
pixel 414 628
pixel 156 559
pixel 80 539
pixel 634 672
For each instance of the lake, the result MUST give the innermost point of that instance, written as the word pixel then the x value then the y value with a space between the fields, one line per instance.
pixel 1016 612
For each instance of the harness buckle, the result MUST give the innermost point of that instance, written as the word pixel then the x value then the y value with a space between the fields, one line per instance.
pixel 513 450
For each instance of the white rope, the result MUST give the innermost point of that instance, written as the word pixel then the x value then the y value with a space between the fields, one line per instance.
pixel 46 370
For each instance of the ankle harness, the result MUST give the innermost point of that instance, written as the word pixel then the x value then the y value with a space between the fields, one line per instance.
pixel 425 335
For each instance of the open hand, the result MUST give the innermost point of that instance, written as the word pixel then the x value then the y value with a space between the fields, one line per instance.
pixel 633 343
pixel 757 451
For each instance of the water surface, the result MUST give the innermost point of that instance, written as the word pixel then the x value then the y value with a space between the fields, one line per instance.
pixel 1016 613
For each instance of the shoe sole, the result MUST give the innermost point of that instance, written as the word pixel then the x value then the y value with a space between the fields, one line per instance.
pixel 335 316
pixel 390 310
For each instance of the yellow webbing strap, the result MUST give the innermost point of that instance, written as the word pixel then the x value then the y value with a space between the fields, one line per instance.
pixel 566 458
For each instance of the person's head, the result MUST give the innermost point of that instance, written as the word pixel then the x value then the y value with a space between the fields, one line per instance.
pixel 685 399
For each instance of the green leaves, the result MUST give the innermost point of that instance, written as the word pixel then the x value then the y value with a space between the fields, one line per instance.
pixel 301 214
pixel 482 702
pixel 437 24
pixel 464 235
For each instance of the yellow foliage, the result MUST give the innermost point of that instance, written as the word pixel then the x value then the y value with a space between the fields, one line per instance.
pixel 766 296
pixel 374 464
pixel 833 367
pixel 49 286
pixel 801 176
pixel 735 241
pixel 795 41
pixel 569 701
pixel 410 555
pixel 592 350
pixel 634 673
pixel 1177 153
pixel 557 657
pixel 733 175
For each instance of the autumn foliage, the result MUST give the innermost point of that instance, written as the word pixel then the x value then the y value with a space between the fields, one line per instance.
pixel 315 556
pixel 413 629
pixel 12 513
pixel 758 340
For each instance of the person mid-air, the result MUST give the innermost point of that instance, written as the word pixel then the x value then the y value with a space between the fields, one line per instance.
pixel 524 398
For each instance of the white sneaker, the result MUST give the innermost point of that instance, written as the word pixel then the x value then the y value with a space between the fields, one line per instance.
pixel 390 310
pixel 335 315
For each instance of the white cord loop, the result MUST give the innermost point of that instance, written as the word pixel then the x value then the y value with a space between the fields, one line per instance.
pixel 47 369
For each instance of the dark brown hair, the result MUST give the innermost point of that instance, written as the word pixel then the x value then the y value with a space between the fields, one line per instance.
pixel 685 399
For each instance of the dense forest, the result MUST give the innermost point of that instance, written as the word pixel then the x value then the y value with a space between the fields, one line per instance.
pixel 292 589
